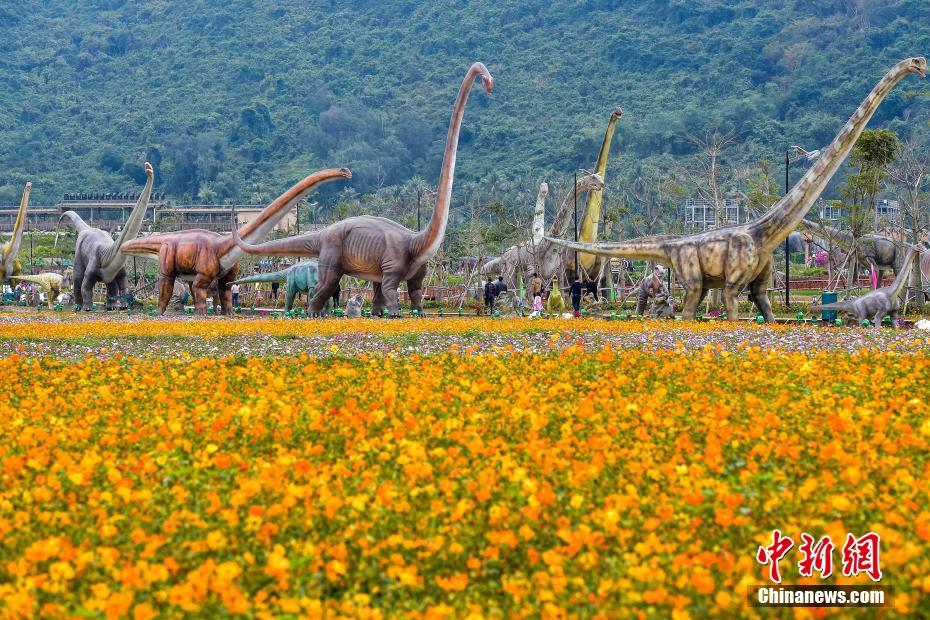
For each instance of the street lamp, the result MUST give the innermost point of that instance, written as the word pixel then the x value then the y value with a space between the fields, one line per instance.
pixel 795 153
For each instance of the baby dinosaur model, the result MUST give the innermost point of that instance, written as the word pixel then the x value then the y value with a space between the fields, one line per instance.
pixel 202 256
pixel 591 263
pixel 97 258
pixel 354 307
pixel 51 283
pixel 555 304
pixel 740 256
pixel 9 265
pixel 300 278
pixel 650 286
pixel 877 304
pixel 377 249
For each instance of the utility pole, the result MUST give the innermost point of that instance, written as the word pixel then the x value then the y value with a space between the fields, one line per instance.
pixel 787 255
pixel 575 191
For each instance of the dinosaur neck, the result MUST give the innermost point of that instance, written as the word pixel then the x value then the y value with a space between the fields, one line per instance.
pixel 901 279
pixel 269 217
pixel 562 216
pixel 592 210
pixel 115 258
pixel 833 233
pixel 784 217
pixel 427 242
pixel 12 248
pixel 539 215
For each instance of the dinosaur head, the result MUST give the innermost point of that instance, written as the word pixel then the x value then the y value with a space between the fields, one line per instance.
pixel 918 66
pixel 544 189
pixel 617 115
pixel 485 76
pixel 345 173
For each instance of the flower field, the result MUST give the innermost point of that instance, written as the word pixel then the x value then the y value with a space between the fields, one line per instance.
pixel 446 469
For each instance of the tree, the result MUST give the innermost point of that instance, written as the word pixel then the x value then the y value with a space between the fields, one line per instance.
pixel 910 175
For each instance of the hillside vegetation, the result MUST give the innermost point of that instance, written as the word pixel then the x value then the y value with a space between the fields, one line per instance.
pixel 234 100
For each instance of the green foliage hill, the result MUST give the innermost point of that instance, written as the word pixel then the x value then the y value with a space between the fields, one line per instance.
pixel 235 100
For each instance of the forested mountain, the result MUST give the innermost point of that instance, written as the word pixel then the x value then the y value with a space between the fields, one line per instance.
pixel 234 100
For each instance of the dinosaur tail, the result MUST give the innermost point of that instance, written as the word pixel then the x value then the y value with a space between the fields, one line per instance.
pixel 277 276
pixel 840 305
pixel 635 249
pixel 143 246
pixel 308 244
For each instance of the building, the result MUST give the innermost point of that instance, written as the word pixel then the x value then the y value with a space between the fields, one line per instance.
pixel 110 211
pixel 701 215
pixel 887 213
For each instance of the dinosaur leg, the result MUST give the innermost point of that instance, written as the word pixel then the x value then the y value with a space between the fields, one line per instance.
pixel 758 294
pixel 122 283
pixel 77 279
pixel 415 289
pixel 53 294
pixel 289 299
pixel 330 274
pixel 739 253
pixel 225 292
pixel 389 290
pixel 165 290
pixel 377 301
pixel 201 287
pixel 87 292
pixel 688 267
pixel 112 295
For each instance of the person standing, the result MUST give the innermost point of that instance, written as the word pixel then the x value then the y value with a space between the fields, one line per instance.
pixel 536 285
pixel 336 293
pixel 575 291
pixel 234 289
pixel 274 292
pixel 489 290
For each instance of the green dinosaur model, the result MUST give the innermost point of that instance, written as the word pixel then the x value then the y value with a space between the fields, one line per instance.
pixel 51 283
pixel 300 278
pixel 555 304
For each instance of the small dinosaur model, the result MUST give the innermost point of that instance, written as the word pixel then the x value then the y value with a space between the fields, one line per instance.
pixel 555 304
pixel 9 264
pixel 97 258
pixel 51 283
pixel 377 249
pixel 662 306
pixel 651 285
pixel 203 256
pixel 302 277
pixel 543 258
pixel 877 304
pixel 354 307
pixel 736 257
pixel 591 219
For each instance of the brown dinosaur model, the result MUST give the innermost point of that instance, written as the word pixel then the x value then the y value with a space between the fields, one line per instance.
pixel 378 249
pixel 9 265
pixel 202 256
pixel 734 257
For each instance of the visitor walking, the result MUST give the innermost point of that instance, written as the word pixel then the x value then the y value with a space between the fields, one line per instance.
pixel 235 295
pixel 575 291
pixel 489 291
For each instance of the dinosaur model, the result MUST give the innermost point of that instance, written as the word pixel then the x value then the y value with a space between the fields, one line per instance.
pixel 874 249
pixel 555 304
pixel 662 306
pixel 378 249
pixel 354 307
pixel 97 258
pixel 591 263
pixel 543 258
pixel 740 256
pixel 9 265
pixel 302 277
pixel 51 283
pixel 877 304
pixel 539 214
pixel 203 256
pixel 649 287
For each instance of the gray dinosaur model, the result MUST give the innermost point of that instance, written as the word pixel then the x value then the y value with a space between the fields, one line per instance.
pixel 651 286
pixel 354 307
pixel 873 249
pixel 97 258
pixel 377 249
pixel 876 305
